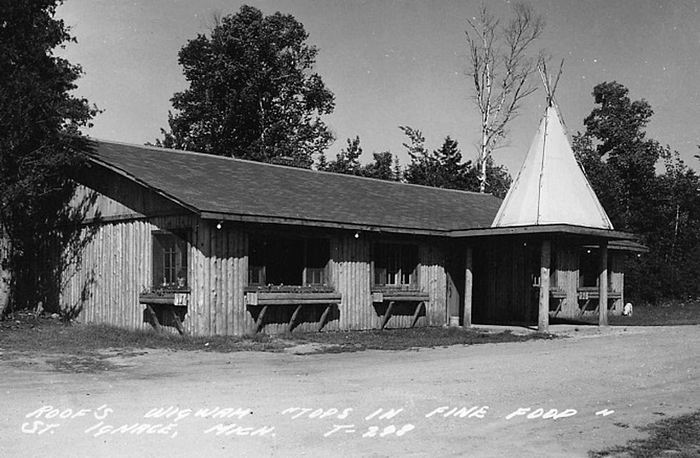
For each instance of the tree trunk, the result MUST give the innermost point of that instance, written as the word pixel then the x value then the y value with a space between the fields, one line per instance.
pixel 483 152
pixel 5 273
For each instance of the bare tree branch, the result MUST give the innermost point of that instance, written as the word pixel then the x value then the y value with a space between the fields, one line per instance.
pixel 500 69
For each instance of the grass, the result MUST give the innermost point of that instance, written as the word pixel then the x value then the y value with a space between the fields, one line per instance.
pixel 26 333
pixel 666 314
pixel 401 339
pixel 676 436
pixel 672 313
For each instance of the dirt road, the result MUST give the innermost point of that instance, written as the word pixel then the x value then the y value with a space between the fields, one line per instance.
pixel 559 397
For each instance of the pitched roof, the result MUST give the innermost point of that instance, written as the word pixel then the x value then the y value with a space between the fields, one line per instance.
pixel 551 188
pixel 234 189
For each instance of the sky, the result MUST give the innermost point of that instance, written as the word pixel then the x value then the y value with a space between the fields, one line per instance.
pixel 402 62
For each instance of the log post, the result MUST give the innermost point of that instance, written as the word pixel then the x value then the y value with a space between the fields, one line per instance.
pixel 543 315
pixel 468 287
pixel 603 285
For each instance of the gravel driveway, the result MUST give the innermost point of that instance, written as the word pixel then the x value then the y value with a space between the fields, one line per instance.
pixel 563 397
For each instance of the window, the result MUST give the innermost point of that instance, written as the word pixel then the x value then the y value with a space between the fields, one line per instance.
pixel 588 268
pixel 395 264
pixel 169 260
pixel 295 262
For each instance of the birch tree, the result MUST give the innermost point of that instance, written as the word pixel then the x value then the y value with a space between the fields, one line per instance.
pixel 500 67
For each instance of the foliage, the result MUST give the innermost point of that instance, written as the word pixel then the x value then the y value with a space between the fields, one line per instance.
pixel 663 209
pixel 40 145
pixel 444 167
pixel 500 70
pixel 382 167
pixel 348 162
pixel 252 92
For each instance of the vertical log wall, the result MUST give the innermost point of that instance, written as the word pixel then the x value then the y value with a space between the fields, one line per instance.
pixel 351 272
pixel 617 279
pixel 117 265
pixel 433 280
pixel 566 265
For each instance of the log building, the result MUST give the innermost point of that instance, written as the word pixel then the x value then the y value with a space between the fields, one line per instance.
pixel 211 245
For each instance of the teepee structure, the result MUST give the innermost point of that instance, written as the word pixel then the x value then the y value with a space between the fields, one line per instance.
pixel 551 188
pixel 547 218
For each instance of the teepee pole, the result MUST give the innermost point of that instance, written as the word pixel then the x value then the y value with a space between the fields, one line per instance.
pixel 549 88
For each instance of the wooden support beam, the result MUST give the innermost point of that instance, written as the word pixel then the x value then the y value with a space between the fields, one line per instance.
pixel 543 315
pixel 322 322
pixel 562 301
pixel 387 315
pixel 154 317
pixel 259 321
pixel 603 285
pixel 294 317
pixel 416 314
pixel 176 321
pixel 468 287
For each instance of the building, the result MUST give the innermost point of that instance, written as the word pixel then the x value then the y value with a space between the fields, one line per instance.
pixel 218 246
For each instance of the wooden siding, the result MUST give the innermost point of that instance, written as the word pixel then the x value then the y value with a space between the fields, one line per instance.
pixel 617 279
pixel 503 290
pixel 113 196
pixel 219 267
pixel 117 265
pixel 351 271
pixel 433 280
pixel 567 272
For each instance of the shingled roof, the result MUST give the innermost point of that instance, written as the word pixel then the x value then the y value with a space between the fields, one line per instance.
pixel 232 189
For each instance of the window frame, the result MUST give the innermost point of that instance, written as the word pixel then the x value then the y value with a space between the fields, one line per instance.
pixel 308 276
pixel 162 240
pixel 400 263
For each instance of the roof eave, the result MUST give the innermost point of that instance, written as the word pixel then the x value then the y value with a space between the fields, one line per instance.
pixel 217 216
pixel 546 229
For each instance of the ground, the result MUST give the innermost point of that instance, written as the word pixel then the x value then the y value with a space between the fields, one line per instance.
pixel 597 386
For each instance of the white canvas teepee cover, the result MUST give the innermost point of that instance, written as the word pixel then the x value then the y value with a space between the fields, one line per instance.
pixel 551 187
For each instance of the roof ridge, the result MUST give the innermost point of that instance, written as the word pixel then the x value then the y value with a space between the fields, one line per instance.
pixel 286 167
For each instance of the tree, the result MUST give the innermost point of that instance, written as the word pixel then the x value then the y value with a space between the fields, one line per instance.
pixel 498 180
pixel 444 167
pixel 617 156
pixel 620 162
pixel 40 145
pixel 252 92
pixel 500 69
pixel 381 167
pixel 423 165
pixel 348 160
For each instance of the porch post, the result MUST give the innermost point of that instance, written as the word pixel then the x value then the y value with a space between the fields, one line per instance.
pixel 543 315
pixel 603 285
pixel 468 287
